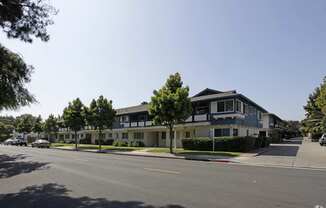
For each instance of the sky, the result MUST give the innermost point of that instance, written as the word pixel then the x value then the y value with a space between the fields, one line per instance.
pixel 271 51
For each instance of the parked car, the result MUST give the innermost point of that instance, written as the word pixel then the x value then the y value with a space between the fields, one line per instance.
pixel 8 142
pixel 41 143
pixel 20 142
pixel 322 140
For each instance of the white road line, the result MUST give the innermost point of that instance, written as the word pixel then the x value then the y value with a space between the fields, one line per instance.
pixel 162 171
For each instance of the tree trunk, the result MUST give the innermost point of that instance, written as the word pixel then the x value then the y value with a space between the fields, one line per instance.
pixel 171 139
pixel 76 147
pixel 100 140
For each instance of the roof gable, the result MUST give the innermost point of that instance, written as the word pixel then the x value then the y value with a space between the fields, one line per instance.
pixel 207 91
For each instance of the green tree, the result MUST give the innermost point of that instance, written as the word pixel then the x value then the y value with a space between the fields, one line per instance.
pixel 315 120
pixel 21 19
pixel 38 126
pixel 74 117
pixel 51 126
pixel 25 123
pixel 14 74
pixel 100 115
pixel 5 131
pixel 171 104
pixel 321 99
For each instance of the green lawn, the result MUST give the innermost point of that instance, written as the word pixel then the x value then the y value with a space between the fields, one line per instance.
pixel 92 146
pixel 180 151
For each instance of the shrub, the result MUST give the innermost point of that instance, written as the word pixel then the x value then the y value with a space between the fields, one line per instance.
pixel 105 142
pixel 136 144
pixel 85 141
pixel 235 144
pixel 315 136
pixel 120 143
pixel 276 136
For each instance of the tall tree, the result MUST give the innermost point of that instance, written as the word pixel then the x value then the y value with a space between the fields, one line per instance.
pixel 74 117
pixel 170 105
pixel 21 19
pixel 51 126
pixel 38 126
pixel 100 115
pixel 25 123
pixel 321 103
pixel 315 120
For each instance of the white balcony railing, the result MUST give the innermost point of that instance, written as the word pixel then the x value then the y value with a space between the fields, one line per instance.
pixel 201 117
pixel 133 124
pixel 149 123
pixel 141 123
pixel 125 125
pixel 189 119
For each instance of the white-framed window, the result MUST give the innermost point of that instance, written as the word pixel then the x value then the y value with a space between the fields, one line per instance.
pixel 238 104
pixel 235 132
pixel 259 115
pixel 225 106
pixel 124 135
pixel 221 132
pixel 124 119
pixel 163 135
pixel 245 108
pixel 139 135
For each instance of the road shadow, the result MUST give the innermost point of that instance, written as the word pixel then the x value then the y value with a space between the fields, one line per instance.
pixel 52 195
pixel 12 165
pixel 282 150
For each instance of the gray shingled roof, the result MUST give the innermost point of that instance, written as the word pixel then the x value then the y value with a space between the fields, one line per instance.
pixel 132 109
pixel 144 108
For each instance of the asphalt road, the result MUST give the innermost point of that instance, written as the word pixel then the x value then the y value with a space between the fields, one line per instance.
pixel 41 178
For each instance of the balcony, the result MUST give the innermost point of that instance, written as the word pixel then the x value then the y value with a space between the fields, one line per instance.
pixel 136 124
pixel 133 124
pixel 125 125
pixel 149 123
pixel 201 117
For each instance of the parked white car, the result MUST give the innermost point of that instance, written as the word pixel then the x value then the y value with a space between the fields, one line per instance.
pixel 41 143
pixel 322 140
pixel 8 142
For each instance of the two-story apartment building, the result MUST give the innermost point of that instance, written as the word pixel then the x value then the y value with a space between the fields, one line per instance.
pixel 215 114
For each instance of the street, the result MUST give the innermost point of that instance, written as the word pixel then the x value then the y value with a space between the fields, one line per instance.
pixel 55 178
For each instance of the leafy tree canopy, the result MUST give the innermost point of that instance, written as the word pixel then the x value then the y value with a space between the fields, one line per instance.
pixel 38 125
pixel 25 123
pixel 315 121
pixel 14 74
pixel 23 19
pixel 5 131
pixel 74 115
pixel 101 113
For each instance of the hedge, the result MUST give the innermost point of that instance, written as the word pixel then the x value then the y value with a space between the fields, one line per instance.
pixel 232 144
pixel 105 142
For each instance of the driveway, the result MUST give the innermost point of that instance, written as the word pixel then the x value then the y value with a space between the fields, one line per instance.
pixel 296 152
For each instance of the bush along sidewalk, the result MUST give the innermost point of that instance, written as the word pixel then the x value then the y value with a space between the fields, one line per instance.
pixel 228 144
